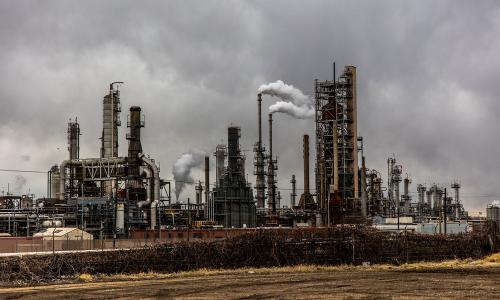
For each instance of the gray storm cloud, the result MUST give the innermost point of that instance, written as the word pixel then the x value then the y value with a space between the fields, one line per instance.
pixel 293 101
pixel 209 61
pixel 182 169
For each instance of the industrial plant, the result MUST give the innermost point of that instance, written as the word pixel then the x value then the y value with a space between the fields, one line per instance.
pixel 121 197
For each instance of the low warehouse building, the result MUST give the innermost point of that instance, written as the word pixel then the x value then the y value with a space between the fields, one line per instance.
pixel 64 234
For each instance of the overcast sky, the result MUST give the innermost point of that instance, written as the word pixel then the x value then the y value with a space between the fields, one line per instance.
pixel 428 81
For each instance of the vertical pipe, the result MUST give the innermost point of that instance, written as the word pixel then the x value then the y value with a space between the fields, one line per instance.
pixel 112 120
pixel 271 137
pixel 259 112
pixel 444 209
pixel 271 165
pixel 406 185
pixel 259 160
pixel 364 204
pixel 207 178
pixel 396 195
pixel 335 172
pixel 306 164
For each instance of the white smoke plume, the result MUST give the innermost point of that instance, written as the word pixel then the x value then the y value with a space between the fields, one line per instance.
pixel 293 101
pixel 19 184
pixel 182 169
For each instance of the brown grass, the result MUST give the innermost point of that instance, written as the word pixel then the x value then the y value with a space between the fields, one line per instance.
pixel 491 261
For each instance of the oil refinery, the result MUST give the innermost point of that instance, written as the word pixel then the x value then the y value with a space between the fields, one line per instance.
pixel 113 196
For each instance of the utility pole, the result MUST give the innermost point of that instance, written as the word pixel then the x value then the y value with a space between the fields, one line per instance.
pixel 444 206
pixel 189 219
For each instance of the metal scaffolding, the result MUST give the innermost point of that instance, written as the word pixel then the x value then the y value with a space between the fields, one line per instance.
pixel 337 184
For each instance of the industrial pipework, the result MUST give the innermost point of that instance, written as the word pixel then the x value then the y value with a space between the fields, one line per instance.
pixel 103 169
pixel 207 179
pixel 156 187
pixel 293 195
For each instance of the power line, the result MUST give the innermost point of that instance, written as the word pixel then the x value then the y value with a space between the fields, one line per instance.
pixel 23 171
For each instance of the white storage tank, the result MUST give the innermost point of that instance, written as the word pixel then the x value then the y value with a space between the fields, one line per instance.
pixel 120 218
pixel 51 223
pixel 493 211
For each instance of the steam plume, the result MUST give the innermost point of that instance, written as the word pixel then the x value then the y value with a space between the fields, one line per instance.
pixel 293 101
pixel 182 169
pixel 19 184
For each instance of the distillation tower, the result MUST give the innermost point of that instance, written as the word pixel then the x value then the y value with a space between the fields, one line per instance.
pixel 337 183
pixel 259 158
pixel 233 201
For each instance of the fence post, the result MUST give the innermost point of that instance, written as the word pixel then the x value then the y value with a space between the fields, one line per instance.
pixel 406 246
pixel 53 241
pixel 353 249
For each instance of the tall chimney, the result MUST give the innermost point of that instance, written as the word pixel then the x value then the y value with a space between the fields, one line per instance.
pixel 198 188
pixel 271 136
pixel 220 160
pixel 270 169
pixel 364 200
pixel 407 197
pixel 259 101
pixel 293 195
pixel 306 199
pixel 456 187
pixel 260 185
pixel 74 139
pixel 306 164
pixel 207 179
pixel 134 141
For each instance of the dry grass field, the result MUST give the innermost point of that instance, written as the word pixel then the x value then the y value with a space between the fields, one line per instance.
pixel 453 279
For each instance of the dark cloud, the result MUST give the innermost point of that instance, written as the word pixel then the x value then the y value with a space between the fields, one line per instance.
pixel 427 77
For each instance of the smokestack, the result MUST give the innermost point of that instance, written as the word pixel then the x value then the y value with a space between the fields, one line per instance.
pixel 198 190
pixel 271 136
pixel 407 197
pixel 456 187
pixel 207 179
pixel 294 191
pixel 364 202
pixel 306 164
pixel 405 187
pixel 220 160
pixel 259 101
pixel 74 139
pixel 260 185
pixel 270 170
pixel 134 141
pixel 306 199
pixel 233 150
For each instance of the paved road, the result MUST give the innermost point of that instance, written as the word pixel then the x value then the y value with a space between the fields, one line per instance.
pixel 315 285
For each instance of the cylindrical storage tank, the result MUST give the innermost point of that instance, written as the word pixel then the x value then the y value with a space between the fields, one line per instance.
pixel 120 218
pixel 434 197
pixel 318 220
pixel 51 223
pixel 493 212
